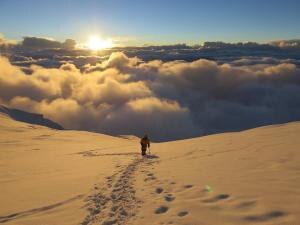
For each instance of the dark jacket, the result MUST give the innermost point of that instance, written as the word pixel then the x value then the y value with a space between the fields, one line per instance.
pixel 145 142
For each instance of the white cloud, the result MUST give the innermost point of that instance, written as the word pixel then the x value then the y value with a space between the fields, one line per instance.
pixel 167 100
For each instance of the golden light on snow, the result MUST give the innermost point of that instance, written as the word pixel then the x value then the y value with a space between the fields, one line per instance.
pixel 96 43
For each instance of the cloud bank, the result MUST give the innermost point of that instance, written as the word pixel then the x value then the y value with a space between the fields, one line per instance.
pixel 168 100
pixel 5 43
pixel 44 43
pixel 287 43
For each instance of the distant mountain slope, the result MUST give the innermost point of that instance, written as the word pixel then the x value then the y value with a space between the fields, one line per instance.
pixel 31 118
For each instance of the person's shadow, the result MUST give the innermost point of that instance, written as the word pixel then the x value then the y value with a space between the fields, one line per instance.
pixel 151 156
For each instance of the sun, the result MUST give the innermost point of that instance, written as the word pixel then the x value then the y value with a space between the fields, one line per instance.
pixel 95 43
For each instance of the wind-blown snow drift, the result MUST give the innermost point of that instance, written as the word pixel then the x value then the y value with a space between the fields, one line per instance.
pixel 168 100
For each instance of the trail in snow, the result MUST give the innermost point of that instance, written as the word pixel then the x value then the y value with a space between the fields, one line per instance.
pixel 115 202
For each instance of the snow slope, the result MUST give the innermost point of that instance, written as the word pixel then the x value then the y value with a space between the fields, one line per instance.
pixel 52 177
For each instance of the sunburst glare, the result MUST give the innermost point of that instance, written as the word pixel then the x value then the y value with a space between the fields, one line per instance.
pixel 96 43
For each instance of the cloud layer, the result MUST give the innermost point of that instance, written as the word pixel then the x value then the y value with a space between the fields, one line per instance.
pixel 167 100
pixel 44 43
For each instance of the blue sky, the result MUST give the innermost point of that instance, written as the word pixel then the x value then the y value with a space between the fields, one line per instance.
pixel 153 22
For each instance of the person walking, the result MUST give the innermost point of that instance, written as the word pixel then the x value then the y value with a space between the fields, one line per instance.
pixel 145 142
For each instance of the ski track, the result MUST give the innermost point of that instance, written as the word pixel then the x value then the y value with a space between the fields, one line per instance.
pixel 116 202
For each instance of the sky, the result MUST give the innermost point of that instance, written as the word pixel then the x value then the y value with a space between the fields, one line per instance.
pixel 138 22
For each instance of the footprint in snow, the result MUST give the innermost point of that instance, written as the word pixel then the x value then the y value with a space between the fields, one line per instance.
pixel 182 213
pixel 169 198
pixel 217 198
pixel 159 190
pixel 161 209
